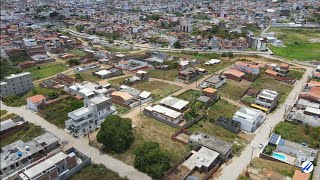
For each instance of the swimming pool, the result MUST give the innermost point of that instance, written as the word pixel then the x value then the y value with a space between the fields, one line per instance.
pixel 279 156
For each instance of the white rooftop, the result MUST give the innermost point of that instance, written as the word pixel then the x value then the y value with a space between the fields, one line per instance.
pixel 103 72
pixel 145 94
pixel 204 157
pixel 212 61
pixel 163 110
pixel 268 94
pixel 44 165
pixel 174 102
pixel 248 114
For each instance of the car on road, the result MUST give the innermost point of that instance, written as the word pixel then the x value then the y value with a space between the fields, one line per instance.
pixel 260 146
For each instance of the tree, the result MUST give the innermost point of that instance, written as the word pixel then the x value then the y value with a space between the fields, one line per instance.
pixel 54 14
pixel 268 150
pixel 73 62
pixel 79 28
pixel 177 45
pixel 151 159
pixel 79 77
pixel 116 133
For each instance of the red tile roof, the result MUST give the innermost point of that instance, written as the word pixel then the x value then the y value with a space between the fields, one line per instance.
pixel 298 175
pixel 36 98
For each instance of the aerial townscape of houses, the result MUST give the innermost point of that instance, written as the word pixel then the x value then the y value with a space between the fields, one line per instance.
pixel 197 75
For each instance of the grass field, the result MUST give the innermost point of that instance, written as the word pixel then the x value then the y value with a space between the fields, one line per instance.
pixel 158 89
pixel 87 76
pixel 28 132
pixel 217 67
pixel 150 129
pixel 57 114
pixel 118 82
pixel 265 82
pixel 17 101
pixel 299 133
pixel 76 52
pixel 277 167
pixel 3 112
pixel 298 42
pixel 170 75
pixel 120 109
pixel 8 116
pixel 96 171
pixel 234 90
pixel 45 70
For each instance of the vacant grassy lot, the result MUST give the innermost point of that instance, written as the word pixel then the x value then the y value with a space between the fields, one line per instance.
pixel 299 43
pixel 120 109
pixel 296 73
pixel 8 116
pixel 3 112
pixel 299 133
pixel 158 89
pixel 28 132
pixel 217 67
pixel 76 52
pixel 149 129
pixel 265 82
pixel 17 101
pixel 234 90
pixel 96 171
pixel 86 76
pixel 170 75
pixel 57 114
pixel 45 70
pixel 277 167
pixel 118 82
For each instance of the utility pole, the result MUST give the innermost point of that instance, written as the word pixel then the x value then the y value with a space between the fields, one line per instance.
pixel 251 155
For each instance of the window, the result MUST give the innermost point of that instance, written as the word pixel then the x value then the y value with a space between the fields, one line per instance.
pixel 12 166
pixel 17 164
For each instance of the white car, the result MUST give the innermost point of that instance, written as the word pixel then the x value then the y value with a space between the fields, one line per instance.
pixel 260 146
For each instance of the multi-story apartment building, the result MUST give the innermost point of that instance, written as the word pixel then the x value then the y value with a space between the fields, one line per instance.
pixel 89 117
pixel 16 84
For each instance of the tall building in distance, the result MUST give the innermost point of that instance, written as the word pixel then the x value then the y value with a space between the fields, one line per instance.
pixel 16 84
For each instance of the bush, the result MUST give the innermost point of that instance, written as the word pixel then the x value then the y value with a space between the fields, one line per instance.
pixel 268 150
pixel 151 159
pixel 116 133
pixel 177 45
pixel 73 62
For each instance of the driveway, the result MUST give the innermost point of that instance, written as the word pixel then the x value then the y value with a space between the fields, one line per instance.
pixel 98 157
pixel 239 164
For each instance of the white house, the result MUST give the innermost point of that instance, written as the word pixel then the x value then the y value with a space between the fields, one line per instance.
pixel 89 117
pixel 249 118
pixel 34 101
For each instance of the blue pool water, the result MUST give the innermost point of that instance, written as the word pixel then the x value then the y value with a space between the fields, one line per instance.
pixel 279 156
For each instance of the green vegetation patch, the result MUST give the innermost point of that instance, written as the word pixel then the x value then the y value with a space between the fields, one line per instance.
pixel 76 52
pixel 265 82
pixel 17 101
pixel 301 43
pixel 57 113
pixel 158 89
pixel 97 171
pixel 281 168
pixel 170 75
pixel 45 70
pixel 234 90
pixel 28 132
pixel 299 133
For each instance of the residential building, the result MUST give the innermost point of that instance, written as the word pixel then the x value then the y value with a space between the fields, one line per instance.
pixel 108 73
pixel 247 68
pixel 188 74
pixel 175 104
pixel 122 98
pixel 132 65
pixel 10 126
pixel 163 114
pixel 86 89
pixel 60 165
pixel 89 117
pixel 250 119
pixel 140 76
pixel 19 154
pixel 214 81
pixel 223 148
pixel 208 95
pixel 212 62
pixel 233 74
pixel 16 84
pixel 300 151
pixel 267 99
pixel 298 175
pixel 34 101
pixel 196 165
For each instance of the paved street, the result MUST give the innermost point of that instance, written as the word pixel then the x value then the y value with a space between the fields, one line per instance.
pixel 123 169
pixel 239 164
